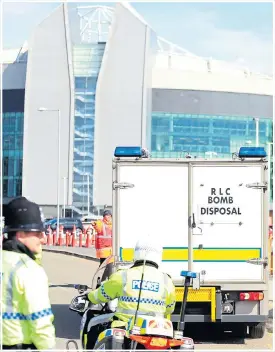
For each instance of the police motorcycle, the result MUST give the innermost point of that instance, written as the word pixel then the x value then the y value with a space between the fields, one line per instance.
pixel 142 332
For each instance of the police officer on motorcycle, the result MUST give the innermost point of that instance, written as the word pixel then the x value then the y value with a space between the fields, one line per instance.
pixel 157 292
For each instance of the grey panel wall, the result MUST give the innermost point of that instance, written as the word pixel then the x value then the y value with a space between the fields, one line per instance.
pixel 48 85
pixel 212 103
pixel 122 95
pixel 14 75
pixel 151 53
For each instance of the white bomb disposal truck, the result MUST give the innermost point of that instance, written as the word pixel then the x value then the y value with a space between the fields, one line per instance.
pixel 211 217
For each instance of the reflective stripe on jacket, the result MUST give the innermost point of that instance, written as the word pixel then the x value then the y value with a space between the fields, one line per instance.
pixel 157 294
pixel 26 310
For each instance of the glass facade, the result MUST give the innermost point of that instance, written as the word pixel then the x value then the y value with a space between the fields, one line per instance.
pixel 13 128
pixel 87 61
pixel 271 172
pixel 175 135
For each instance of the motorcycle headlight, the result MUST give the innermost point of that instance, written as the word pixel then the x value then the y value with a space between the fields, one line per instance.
pixel 78 304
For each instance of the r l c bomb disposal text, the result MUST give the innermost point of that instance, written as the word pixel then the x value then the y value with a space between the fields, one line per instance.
pixel 220 196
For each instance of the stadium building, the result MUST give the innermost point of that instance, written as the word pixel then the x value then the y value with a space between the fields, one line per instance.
pixel 91 78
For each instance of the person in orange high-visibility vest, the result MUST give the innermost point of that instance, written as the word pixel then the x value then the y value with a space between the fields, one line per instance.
pixel 103 236
pixel 270 235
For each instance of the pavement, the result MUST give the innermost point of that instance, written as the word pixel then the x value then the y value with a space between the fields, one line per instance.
pixel 64 271
pixel 80 252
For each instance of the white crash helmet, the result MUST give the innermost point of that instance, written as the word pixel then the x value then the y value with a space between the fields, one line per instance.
pixel 147 249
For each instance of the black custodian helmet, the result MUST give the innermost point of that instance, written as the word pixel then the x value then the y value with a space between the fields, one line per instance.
pixel 23 215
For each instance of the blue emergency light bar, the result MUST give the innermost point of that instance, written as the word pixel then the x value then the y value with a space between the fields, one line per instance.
pixel 128 152
pixel 252 152
pixel 188 274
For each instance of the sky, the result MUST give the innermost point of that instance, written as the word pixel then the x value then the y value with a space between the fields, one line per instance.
pixel 237 31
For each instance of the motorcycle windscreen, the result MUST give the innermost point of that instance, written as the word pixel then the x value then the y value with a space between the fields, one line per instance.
pixel 104 271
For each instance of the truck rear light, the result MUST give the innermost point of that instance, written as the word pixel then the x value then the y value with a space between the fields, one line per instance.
pixel 251 296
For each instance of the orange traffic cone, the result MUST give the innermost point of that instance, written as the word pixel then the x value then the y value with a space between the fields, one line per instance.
pixel 49 236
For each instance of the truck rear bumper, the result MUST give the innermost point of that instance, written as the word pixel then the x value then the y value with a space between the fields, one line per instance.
pixel 240 318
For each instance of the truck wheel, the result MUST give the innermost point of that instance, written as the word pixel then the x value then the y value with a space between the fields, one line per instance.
pixel 257 331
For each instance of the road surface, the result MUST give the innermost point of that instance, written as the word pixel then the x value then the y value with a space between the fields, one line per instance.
pixel 64 270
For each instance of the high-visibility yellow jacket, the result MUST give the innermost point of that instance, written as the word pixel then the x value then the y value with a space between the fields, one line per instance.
pixel 157 294
pixel 26 310
pixel 38 256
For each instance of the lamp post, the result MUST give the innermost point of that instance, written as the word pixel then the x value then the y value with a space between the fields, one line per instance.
pixel 88 196
pixel 58 161
pixel 256 119
pixel 64 195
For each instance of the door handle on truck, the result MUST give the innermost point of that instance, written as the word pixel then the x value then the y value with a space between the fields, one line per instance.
pixel 192 224
pixel 258 261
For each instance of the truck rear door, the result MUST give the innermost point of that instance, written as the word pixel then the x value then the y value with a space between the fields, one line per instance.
pixel 230 217
pixel 157 205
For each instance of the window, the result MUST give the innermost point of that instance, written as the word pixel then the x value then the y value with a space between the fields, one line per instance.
pixel 13 123
pixel 91 83
pixel 6 144
pixel 160 124
pixel 87 62
pixel 19 142
pixel 220 141
pixel 20 167
pixel 11 187
pixel 18 187
pixel 80 82
pixel 174 133
pixel 5 166
pixel 11 167
pixel 5 188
